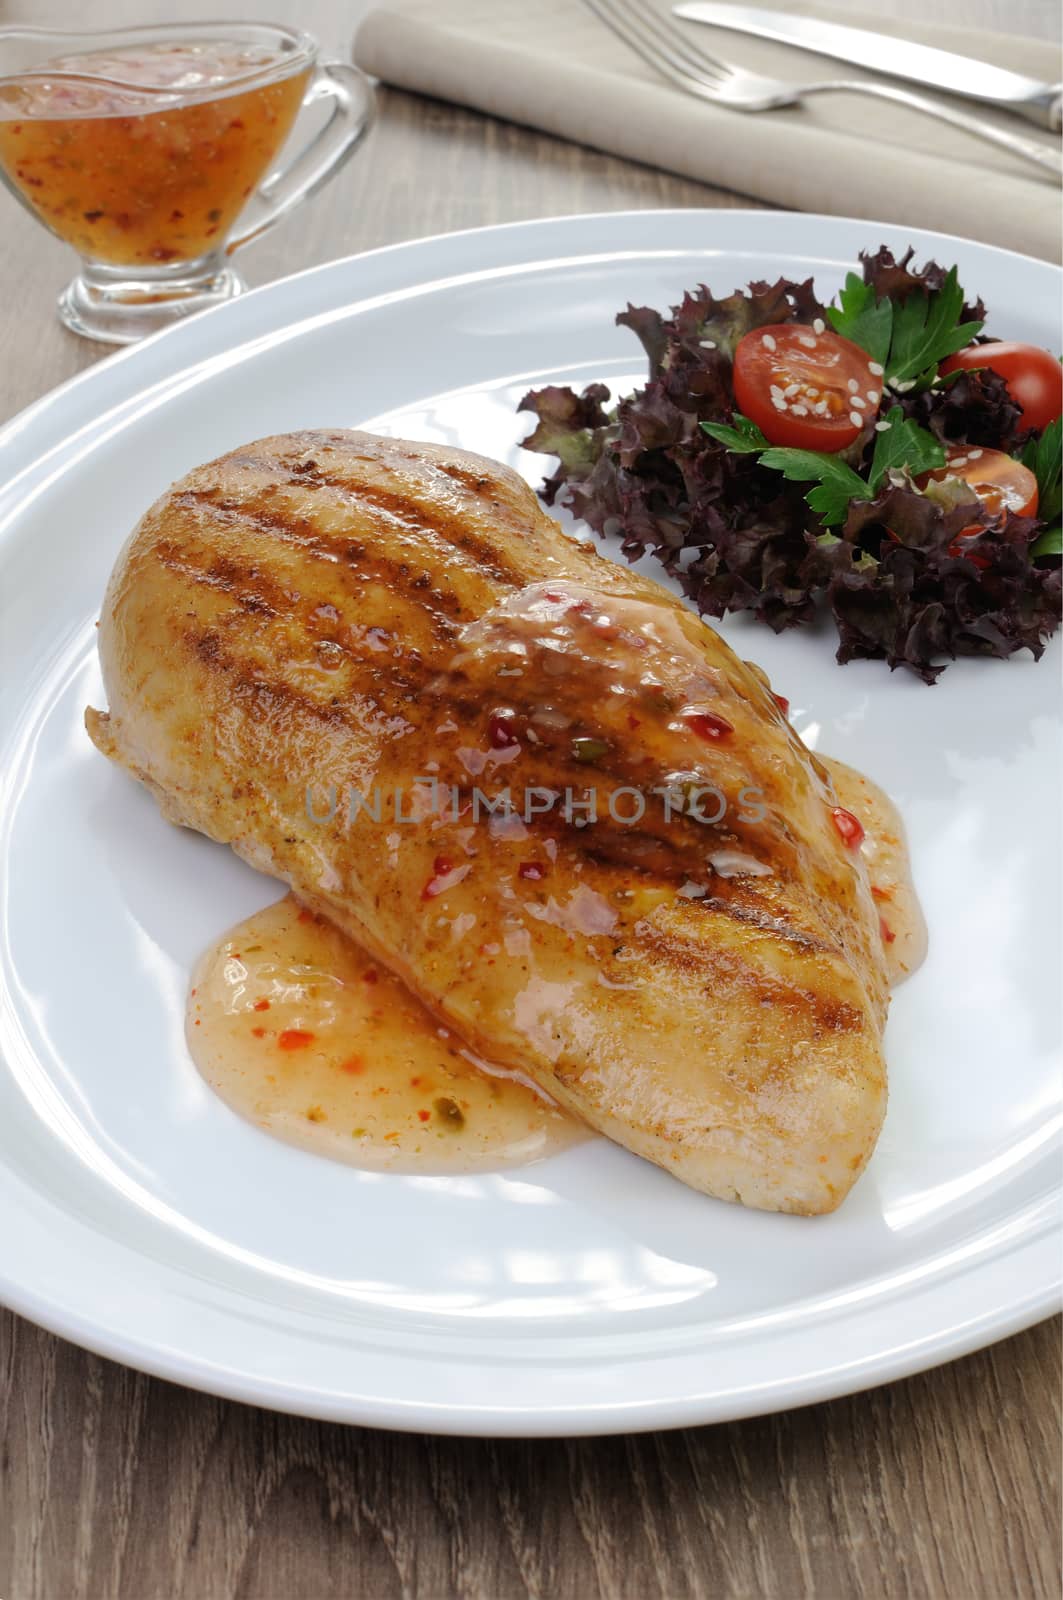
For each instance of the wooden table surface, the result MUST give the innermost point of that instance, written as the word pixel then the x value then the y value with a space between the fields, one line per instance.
pixel 113 1484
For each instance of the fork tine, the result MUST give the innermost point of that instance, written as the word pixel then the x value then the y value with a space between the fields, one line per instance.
pixel 630 27
pixel 644 47
pixel 670 38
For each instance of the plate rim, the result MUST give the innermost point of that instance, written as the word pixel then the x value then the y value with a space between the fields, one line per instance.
pixel 458 1421
pixel 1041 1300
pixel 112 361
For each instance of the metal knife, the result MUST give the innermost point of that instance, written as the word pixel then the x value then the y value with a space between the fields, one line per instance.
pixel 882 53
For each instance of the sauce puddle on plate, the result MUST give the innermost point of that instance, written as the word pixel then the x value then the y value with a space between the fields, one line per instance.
pixel 308 1037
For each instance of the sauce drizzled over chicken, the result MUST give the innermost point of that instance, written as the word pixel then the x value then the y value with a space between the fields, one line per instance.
pixel 320 649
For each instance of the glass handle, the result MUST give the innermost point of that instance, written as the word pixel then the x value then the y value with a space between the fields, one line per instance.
pixel 351 117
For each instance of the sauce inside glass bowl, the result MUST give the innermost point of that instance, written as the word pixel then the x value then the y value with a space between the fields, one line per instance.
pixel 126 155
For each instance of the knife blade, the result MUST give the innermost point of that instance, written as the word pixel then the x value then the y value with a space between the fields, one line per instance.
pixel 885 54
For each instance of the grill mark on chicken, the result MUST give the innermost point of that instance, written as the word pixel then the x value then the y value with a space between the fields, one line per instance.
pixel 684 952
pixel 244 585
pixel 731 972
pixel 402 509
pixel 356 566
pixel 273 696
pixel 482 557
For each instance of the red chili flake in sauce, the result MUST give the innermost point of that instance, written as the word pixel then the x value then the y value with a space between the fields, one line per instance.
pixel 881 894
pixel 782 703
pixel 258 1033
pixel 294 1039
pixel 633 722
pixel 305 915
pixel 372 976
pixel 261 1005
pixel 531 869
pixel 424 1115
pixel 353 1064
pixel 887 932
pixel 501 732
pixel 849 827
pixel 445 875
pixel 708 725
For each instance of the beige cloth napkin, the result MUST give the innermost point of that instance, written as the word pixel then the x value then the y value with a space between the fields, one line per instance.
pixel 551 64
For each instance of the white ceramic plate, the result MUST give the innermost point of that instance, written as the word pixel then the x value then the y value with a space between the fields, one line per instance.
pixel 140 1217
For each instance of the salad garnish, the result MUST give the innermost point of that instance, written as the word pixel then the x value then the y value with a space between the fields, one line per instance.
pixel 878 457
pixel 900 445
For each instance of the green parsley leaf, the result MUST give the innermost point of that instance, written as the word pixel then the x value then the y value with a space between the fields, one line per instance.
pixel 744 439
pixel 903 443
pixel 858 316
pixel 1044 457
pixel 836 484
pixel 950 378
pixel 1050 543
pixel 925 331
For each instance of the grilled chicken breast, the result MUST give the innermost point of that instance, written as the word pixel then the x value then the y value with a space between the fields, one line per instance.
pixel 335 652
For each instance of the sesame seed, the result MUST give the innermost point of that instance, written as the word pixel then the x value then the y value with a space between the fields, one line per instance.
pixel 807 340
pixel 819 326
pixel 856 419
pixel 972 455
pixel 958 461
pixel 875 369
pixel 860 405
pixel 707 344
pixel 883 427
pixel 853 386
pixel 813 394
pixel 820 408
pixel 902 385
pixel 874 396
pixel 791 389
pixel 778 402
pixel 774 390
pixel 767 341
pixel 799 411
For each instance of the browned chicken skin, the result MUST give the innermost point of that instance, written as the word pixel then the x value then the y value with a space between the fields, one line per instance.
pixel 332 611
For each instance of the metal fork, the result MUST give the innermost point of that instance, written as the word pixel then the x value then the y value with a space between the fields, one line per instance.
pixel 661 43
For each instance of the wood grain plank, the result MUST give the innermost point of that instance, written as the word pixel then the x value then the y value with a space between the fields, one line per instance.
pixel 114 1486
pixel 118 1487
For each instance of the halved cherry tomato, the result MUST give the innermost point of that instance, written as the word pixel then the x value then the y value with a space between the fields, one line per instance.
pixel 999 481
pixel 1034 377
pixel 806 387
